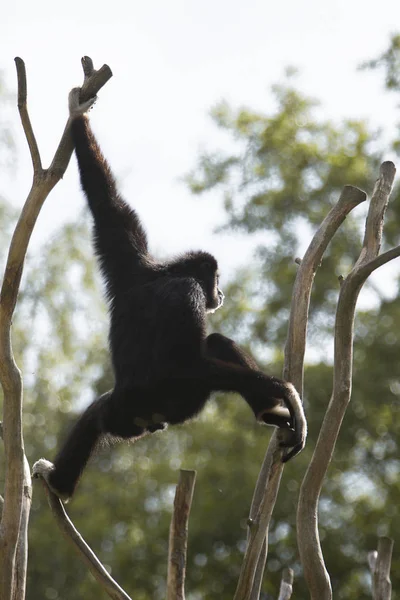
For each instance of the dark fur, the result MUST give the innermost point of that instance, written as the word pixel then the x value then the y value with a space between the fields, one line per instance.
pixel 165 366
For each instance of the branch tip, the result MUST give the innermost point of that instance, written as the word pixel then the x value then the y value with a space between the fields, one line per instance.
pixel 286 588
pixel 388 170
pixel 21 77
pixel 87 66
pixel 352 195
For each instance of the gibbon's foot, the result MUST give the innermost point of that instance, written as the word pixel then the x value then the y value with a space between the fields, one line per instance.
pixel 75 108
pixel 43 468
pixel 290 440
pixel 157 427
pixel 279 416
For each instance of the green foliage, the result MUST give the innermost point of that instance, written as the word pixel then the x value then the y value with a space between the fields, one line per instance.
pixel 389 61
pixel 288 169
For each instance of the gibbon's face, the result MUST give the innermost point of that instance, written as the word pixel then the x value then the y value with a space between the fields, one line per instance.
pixel 204 268
pixel 215 296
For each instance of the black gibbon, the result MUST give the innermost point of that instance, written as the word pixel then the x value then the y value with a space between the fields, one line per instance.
pixel 165 365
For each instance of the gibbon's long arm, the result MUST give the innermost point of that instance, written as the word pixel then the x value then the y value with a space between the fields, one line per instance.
pixel 120 240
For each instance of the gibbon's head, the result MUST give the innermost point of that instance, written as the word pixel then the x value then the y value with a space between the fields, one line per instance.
pixel 203 267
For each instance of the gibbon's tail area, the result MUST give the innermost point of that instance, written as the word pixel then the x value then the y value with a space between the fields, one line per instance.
pixel 77 449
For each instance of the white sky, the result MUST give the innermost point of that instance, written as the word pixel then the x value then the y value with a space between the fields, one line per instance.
pixel 172 60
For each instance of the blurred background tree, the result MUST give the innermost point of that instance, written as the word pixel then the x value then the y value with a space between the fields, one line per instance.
pixel 286 169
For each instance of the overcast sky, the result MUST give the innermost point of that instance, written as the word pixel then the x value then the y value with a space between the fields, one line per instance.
pixel 172 60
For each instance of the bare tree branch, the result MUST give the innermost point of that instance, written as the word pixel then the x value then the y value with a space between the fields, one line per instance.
pixel 380 563
pixel 286 589
pixel 178 534
pixel 258 528
pixel 269 479
pixel 109 585
pixel 379 261
pixel 374 224
pixel 297 333
pixel 21 558
pixel 315 572
pixel 18 485
pixel 24 115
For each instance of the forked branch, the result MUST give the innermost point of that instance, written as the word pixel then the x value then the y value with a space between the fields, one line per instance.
pixel 18 483
pixel 315 571
pixel 268 482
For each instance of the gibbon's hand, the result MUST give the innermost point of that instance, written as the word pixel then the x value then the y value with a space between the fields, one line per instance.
pixel 75 108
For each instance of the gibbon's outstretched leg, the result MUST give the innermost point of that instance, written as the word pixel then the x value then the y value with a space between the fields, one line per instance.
pixel 224 349
pixel 77 449
pixel 115 413
pixel 98 420
pixel 264 394
pixel 224 367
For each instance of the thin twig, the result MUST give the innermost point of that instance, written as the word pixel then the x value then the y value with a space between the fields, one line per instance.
pixel 109 585
pixel 297 333
pixel 366 270
pixel 258 529
pixel 22 548
pixel 315 572
pixel 25 119
pixel 178 535
pixel 380 568
pixel 286 589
